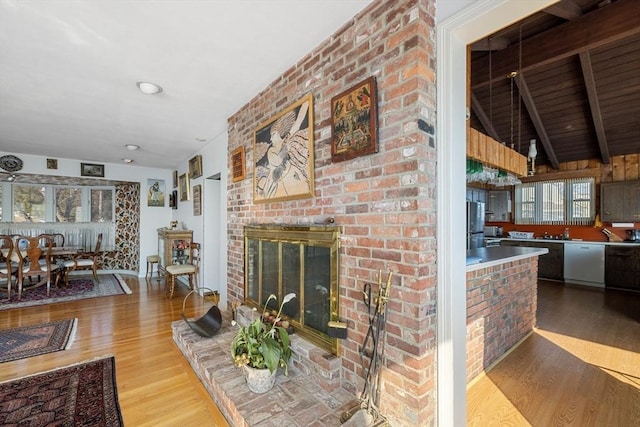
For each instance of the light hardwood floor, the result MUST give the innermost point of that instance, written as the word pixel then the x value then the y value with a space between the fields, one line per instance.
pixel 156 386
pixel 580 367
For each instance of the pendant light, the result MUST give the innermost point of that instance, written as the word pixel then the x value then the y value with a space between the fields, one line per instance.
pixel 533 153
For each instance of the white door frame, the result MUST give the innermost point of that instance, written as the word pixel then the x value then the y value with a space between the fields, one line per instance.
pixel 479 19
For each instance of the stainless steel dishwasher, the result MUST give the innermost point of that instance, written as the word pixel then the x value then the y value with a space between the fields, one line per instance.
pixel 584 264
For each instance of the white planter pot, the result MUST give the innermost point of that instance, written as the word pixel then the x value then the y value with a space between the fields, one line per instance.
pixel 259 380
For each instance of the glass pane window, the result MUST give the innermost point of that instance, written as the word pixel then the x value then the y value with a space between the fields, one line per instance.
pixel 68 204
pixel 101 204
pixel 528 202
pixel 564 201
pixel 29 203
pixel 581 200
pixel 553 201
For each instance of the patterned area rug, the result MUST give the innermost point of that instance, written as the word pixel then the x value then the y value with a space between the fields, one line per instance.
pixel 76 395
pixel 34 340
pixel 80 287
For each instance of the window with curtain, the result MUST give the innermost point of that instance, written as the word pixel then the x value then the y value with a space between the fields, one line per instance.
pixel 561 202
pixel 29 203
pixel 37 203
pixel 101 204
pixel 68 204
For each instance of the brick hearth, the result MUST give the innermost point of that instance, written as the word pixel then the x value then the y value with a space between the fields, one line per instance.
pixel 296 400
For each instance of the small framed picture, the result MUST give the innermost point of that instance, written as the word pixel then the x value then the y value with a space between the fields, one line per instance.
pixel 354 122
pixel 197 200
pixel 195 167
pixel 52 163
pixel 173 199
pixel 155 195
pixel 91 169
pixel 184 187
pixel 237 164
pixel 175 179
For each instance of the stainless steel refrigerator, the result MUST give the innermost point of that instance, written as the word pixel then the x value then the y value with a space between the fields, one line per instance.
pixel 475 225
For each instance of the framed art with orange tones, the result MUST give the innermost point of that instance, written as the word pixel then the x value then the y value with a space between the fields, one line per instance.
pixel 354 121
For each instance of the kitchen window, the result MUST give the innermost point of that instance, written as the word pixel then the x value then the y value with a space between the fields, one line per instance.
pixel 559 202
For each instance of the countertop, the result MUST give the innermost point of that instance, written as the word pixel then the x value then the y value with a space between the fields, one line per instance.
pixel 567 242
pixel 497 255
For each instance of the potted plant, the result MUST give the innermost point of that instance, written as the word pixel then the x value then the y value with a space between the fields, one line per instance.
pixel 260 347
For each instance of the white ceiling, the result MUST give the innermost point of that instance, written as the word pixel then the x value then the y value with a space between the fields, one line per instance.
pixel 68 70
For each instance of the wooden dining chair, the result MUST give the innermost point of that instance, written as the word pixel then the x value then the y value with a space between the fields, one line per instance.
pixel 6 268
pixel 190 270
pixel 35 261
pixel 84 261
pixel 58 239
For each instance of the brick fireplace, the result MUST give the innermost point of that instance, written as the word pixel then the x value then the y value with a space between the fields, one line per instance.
pixel 384 203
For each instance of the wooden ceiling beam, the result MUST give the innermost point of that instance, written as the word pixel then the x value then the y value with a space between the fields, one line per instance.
pixel 490 44
pixel 610 23
pixel 484 119
pixel 565 9
pixel 594 104
pixel 523 88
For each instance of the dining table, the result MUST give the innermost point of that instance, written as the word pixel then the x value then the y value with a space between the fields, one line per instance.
pixel 58 255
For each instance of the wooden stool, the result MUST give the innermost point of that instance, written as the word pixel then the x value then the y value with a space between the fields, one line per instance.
pixel 152 259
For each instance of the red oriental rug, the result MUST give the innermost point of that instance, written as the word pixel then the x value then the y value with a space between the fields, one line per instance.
pixel 78 395
pixel 80 287
pixel 34 340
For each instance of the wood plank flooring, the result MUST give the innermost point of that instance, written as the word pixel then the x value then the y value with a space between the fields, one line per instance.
pixel 580 367
pixel 156 385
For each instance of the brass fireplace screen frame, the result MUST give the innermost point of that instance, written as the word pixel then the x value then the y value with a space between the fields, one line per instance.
pixel 269 250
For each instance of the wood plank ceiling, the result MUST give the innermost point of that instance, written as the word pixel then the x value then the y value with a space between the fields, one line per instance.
pixel 575 86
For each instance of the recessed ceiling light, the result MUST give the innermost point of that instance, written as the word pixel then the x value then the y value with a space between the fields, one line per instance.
pixel 149 88
pixel 132 147
pixel 127 160
pixel 201 139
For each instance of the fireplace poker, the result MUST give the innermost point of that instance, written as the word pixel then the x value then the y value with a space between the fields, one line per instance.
pixel 375 333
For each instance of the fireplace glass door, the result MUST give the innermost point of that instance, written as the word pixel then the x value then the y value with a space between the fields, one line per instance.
pixel 302 260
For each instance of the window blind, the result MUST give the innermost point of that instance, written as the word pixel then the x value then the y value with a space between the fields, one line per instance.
pixel 557 202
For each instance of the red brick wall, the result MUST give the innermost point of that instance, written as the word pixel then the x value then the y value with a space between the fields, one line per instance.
pixel 385 202
pixel 501 309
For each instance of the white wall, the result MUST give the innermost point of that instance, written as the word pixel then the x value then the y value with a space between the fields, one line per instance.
pixel 151 218
pixel 210 228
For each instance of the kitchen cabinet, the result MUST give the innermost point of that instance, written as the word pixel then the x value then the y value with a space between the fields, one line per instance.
pixel 550 265
pixel 622 267
pixel 173 247
pixel 620 201
pixel 499 206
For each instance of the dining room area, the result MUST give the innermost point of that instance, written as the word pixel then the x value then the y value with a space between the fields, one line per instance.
pixel 30 261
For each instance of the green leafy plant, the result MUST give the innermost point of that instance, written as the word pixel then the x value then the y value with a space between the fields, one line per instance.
pixel 263 345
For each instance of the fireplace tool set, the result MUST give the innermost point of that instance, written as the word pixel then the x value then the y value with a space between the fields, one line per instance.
pixel 372 357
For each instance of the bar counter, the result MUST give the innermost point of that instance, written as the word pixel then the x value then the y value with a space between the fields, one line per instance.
pixel 497 255
pixel 502 300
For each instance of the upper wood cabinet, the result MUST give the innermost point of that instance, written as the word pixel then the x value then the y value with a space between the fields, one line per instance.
pixel 620 201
